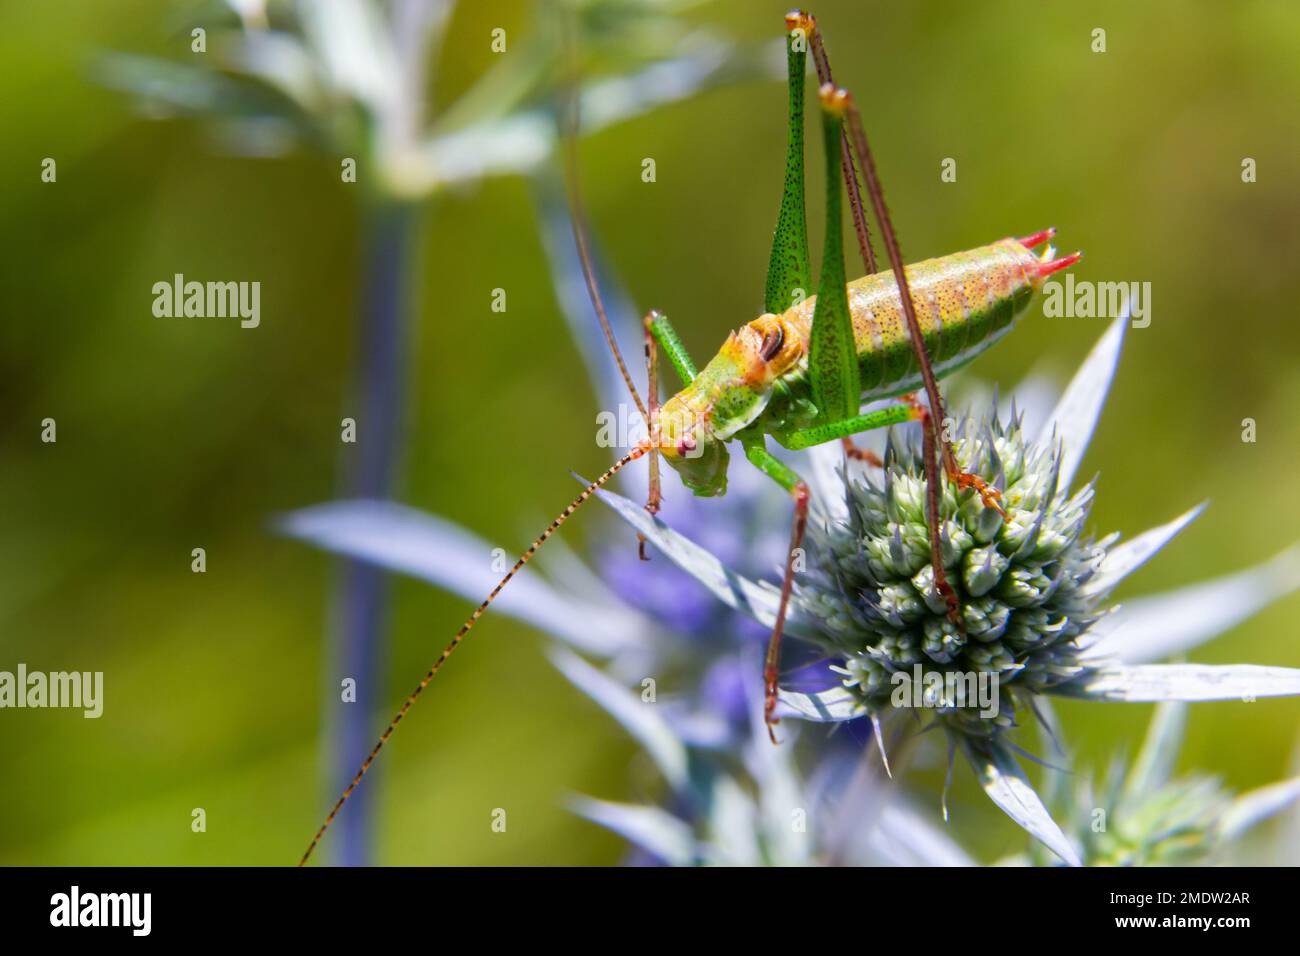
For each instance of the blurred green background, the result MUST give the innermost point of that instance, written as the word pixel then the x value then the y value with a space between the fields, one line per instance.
pixel 175 434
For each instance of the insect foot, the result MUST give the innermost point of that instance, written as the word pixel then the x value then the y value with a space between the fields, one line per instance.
pixel 989 495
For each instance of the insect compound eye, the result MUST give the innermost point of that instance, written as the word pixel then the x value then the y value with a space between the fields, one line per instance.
pixel 772 343
pixel 686 445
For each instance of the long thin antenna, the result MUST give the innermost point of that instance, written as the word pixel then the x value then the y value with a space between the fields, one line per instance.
pixel 577 214
pixel 577 502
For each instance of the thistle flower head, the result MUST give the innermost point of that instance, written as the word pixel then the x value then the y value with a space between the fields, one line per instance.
pixel 1022 581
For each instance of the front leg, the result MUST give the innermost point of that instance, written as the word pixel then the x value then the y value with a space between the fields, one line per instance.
pixel 855 452
pixel 654 494
pixel 788 479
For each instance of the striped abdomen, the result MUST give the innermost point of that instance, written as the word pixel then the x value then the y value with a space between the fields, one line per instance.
pixel 963 301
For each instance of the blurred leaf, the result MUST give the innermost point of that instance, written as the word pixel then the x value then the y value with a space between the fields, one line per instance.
pixel 652 829
pixel 1123 559
pixel 436 550
pixel 1075 417
pixel 280 61
pixel 1006 785
pixel 188 89
pixel 732 589
pixel 1164 625
pixel 1257 806
pixel 732 822
pixel 520 142
pixel 1159 754
pixel 903 837
pixel 1147 683
pixel 352 43
pixel 642 720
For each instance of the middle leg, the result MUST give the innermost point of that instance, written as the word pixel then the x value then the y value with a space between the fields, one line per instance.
pixel 654 495
pixel 788 479
pixel 855 452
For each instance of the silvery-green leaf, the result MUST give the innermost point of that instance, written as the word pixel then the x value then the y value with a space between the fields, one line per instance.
pixel 641 719
pixel 1148 683
pixel 1257 806
pixel 425 546
pixel 1076 414
pixel 251 12
pixel 780 800
pixel 1155 762
pixel 781 793
pixel 1005 783
pixel 185 88
pixel 279 60
pixel 903 837
pixel 654 830
pixel 732 819
pixel 732 589
pixel 511 145
pixel 831 705
pixel 1288 842
pixel 520 142
pixel 1034 400
pixel 1151 628
pixel 613 100
pixel 825 462
pixel 1123 559
pixel 352 42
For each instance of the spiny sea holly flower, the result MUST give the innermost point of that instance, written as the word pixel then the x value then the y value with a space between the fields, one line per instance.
pixel 1033 588
pixel 1025 583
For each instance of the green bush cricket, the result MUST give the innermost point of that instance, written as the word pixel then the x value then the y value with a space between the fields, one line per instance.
pixel 801 372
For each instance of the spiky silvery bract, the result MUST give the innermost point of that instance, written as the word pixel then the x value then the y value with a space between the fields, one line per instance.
pixel 1022 582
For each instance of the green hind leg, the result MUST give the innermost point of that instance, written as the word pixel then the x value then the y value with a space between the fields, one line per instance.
pixel 938 451
pixel 787 270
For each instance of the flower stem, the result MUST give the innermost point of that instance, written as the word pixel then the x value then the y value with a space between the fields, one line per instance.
pixel 368 469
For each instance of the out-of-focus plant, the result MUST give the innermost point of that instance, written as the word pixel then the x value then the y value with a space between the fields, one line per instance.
pixel 1143 815
pixel 350 80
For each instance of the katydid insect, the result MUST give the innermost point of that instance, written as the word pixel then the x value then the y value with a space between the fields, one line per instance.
pixel 801 372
